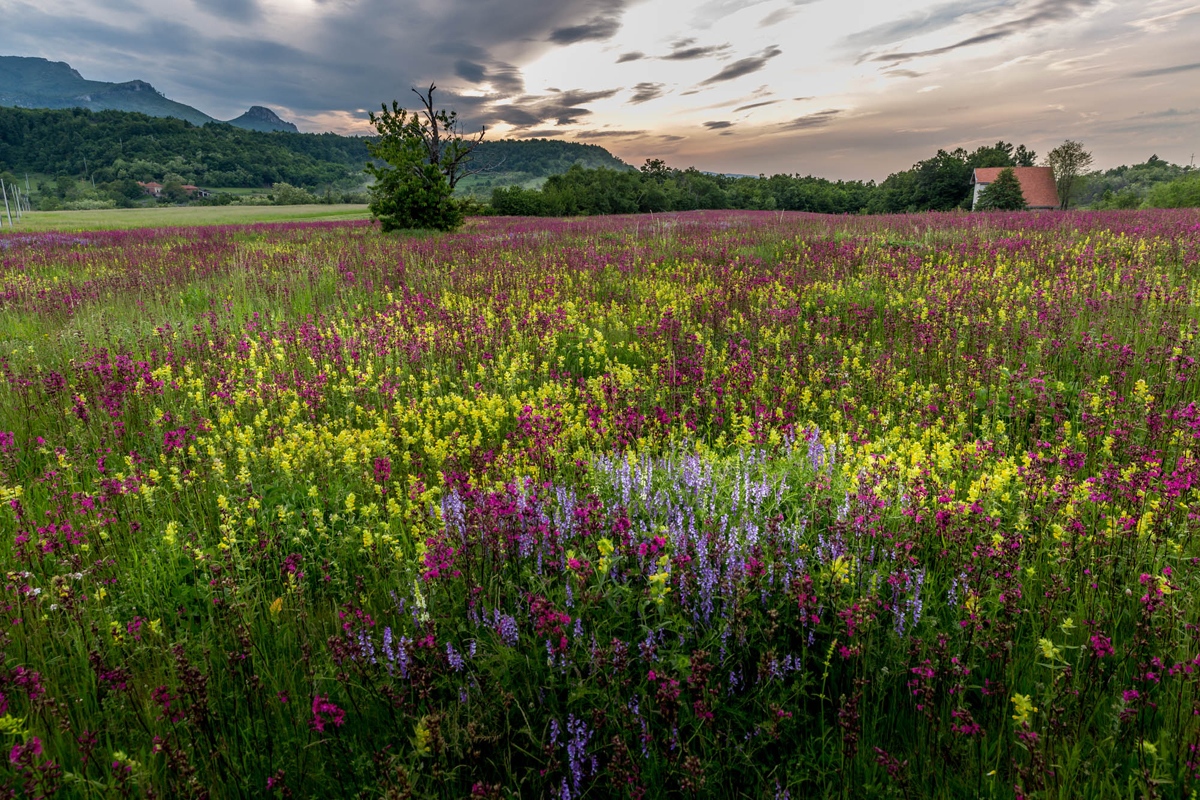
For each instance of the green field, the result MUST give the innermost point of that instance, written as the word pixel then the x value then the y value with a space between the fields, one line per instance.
pixel 179 216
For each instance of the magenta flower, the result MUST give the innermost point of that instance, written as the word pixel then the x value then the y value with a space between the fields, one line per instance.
pixel 324 712
pixel 1101 645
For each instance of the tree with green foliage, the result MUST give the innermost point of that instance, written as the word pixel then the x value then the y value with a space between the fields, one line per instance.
pixel 1068 161
pixel 1123 199
pixel 1128 185
pixel 1024 157
pixel 284 194
pixel 424 155
pixel 516 201
pixel 1183 192
pixel 1003 194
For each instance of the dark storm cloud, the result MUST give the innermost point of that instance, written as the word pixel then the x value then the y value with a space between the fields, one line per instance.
pixel 44 33
pixel 237 10
pixel 563 108
pixel 688 50
pixel 504 78
pixel 595 29
pixel 469 71
pixel 718 125
pixel 645 92
pixel 1038 15
pixel 743 66
pixel 358 55
pixel 513 115
pixel 633 56
pixel 1153 73
pixel 818 119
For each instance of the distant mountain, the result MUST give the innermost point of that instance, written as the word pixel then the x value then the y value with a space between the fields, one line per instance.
pixel 39 83
pixel 263 119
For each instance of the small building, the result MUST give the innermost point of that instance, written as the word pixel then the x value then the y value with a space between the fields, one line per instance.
pixel 155 189
pixel 1037 184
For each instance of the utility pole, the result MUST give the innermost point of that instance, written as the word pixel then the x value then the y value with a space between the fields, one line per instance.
pixel 7 210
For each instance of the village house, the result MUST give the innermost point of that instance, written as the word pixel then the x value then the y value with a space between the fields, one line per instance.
pixel 1037 184
pixel 155 189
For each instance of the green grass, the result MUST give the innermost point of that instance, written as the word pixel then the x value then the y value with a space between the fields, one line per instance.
pixel 180 216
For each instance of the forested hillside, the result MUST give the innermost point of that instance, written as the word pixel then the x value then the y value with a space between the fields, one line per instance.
pixel 529 162
pixel 107 145
pixel 116 145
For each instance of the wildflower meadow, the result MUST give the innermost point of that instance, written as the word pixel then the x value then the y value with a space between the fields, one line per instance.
pixel 716 504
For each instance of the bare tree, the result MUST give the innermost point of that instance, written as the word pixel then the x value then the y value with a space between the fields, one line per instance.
pixel 424 155
pixel 437 132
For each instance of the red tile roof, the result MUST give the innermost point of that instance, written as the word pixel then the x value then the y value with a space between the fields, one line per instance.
pixel 1037 184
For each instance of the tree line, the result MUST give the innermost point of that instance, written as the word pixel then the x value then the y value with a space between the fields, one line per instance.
pixel 940 183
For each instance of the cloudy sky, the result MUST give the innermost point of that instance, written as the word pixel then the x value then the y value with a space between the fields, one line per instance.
pixel 838 88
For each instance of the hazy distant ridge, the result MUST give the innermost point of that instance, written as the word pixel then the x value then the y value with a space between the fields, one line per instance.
pixel 39 83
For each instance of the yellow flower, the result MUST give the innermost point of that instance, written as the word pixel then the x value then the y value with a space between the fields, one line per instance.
pixel 12 726
pixel 276 606
pixel 421 737
pixel 972 603
pixel 1023 707
pixel 1049 651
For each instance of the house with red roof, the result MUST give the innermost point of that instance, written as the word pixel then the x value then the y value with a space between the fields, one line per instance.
pixel 155 189
pixel 1037 184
